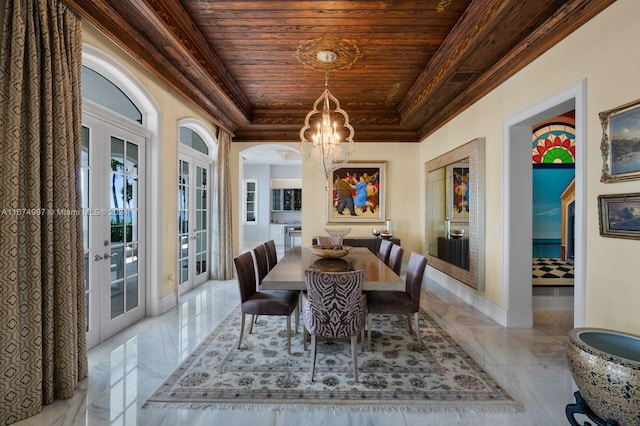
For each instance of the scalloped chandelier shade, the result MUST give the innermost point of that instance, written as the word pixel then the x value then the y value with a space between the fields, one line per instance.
pixel 326 139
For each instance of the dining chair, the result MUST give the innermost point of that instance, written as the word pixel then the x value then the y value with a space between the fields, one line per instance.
pixel 266 302
pixel 400 302
pixel 384 251
pixel 334 307
pixel 395 258
pixel 262 263
pixel 272 253
pixel 329 239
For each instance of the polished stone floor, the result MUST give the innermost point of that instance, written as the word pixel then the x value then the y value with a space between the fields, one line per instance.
pixel 529 363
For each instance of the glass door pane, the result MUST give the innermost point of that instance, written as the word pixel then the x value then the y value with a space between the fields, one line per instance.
pixel 124 226
pixel 183 221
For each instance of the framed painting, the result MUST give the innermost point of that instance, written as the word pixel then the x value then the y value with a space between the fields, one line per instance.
pixel 620 146
pixel 458 192
pixel 619 215
pixel 358 193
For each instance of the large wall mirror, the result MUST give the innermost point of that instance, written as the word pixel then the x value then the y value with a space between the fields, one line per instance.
pixel 455 213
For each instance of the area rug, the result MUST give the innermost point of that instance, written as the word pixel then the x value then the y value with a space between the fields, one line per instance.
pixel 396 374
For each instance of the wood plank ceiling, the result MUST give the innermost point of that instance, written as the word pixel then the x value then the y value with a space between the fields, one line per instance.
pixel 420 62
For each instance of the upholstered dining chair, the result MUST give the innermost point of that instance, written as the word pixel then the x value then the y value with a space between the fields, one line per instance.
pixel 266 302
pixel 384 251
pixel 395 258
pixel 400 302
pixel 262 263
pixel 329 239
pixel 272 253
pixel 334 307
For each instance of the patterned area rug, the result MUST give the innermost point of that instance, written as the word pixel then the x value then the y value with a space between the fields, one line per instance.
pixel 397 374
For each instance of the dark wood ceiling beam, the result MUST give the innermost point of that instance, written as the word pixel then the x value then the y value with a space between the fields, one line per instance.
pixel 133 39
pixel 269 6
pixel 174 24
pixel 479 18
pixel 567 19
pixel 291 133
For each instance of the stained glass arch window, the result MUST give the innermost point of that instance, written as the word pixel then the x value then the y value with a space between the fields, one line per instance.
pixel 554 142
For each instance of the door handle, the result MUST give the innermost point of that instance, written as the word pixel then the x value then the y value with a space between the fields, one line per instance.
pixel 97 258
pixel 107 255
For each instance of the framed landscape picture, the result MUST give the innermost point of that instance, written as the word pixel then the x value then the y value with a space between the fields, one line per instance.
pixel 619 215
pixel 358 193
pixel 620 146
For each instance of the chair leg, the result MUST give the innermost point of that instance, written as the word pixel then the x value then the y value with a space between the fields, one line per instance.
pixel 289 334
pixel 354 353
pixel 304 338
pixel 369 320
pixel 416 318
pixel 254 318
pixel 362 338
pixel 313 355
pixel 297 319
pixel 408 317
pixel 242 330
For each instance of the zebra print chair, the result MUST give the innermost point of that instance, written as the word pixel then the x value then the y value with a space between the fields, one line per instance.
pixel 334 307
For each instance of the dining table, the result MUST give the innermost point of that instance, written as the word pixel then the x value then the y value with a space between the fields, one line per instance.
pixel 288 273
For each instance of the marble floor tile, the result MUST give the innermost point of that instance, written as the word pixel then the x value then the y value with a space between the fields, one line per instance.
pixel 529 363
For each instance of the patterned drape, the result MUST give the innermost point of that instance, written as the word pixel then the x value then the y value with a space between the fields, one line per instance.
pixel 225 223
pixel 42 311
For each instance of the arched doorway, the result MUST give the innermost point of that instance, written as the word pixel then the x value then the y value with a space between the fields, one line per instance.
pixel 195 212
pixel 119 121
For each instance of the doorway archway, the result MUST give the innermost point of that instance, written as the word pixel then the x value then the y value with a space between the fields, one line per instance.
pixel 517 204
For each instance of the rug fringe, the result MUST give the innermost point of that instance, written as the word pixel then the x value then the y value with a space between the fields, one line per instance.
pixel 340 408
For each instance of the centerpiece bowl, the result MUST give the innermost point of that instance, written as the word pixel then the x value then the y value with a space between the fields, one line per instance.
pixel 330 251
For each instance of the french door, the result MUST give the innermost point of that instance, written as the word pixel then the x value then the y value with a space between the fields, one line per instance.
pixel 113 194
pixel 193 221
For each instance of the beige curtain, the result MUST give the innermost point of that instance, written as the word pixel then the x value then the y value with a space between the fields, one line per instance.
pixel 42 312
pixel 225 223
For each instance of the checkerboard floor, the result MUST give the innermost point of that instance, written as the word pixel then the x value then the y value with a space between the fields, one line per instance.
pixel 551 271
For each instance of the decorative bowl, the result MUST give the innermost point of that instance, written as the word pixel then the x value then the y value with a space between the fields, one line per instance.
pixel 375 232
pixel 330 251
pixel 338 232
pixel 605 364
pixel 457 233
pixel 386 234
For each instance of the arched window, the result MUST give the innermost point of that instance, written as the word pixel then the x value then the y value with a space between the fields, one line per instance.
pixel 193 140
pixel 102 91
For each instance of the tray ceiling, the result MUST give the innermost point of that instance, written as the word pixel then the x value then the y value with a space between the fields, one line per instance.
pixel 417 65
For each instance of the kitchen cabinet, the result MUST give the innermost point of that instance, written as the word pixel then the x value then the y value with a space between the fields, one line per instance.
pixel 286 199
pixel 276 233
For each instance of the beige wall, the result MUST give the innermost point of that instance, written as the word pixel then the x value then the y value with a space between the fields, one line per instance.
pixel 605 53
pixel 173 107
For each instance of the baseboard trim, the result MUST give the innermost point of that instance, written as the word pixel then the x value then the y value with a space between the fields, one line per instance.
pixel 468 295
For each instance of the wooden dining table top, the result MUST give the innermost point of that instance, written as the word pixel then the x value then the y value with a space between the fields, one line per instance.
pixel 288 273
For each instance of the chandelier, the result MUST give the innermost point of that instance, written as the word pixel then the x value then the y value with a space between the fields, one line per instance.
pixel 326 139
